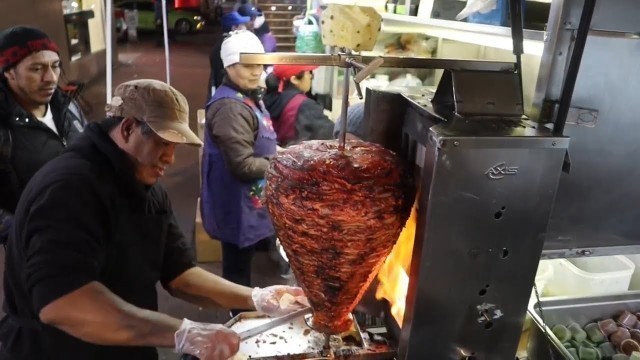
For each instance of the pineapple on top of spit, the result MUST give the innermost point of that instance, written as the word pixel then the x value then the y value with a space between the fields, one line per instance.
pixel 350 27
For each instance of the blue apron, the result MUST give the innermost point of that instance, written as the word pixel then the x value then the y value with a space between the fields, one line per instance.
pixel 230 207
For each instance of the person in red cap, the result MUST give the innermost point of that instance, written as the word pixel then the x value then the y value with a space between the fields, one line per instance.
pixel 295 117
pixel 37 120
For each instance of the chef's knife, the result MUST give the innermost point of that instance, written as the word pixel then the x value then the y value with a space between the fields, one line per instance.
pixel 273 323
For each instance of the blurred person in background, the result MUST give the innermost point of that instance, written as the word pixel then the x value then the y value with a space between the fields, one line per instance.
pixel 239 142
pixel 263 32
pixel 250 11
pixel 230 22
pixel 259 26
pixel 36 122
pixel 295 116
pixel 240 3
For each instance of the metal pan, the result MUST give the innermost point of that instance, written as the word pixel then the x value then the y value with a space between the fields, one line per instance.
pixel 297 340
pixel 293 340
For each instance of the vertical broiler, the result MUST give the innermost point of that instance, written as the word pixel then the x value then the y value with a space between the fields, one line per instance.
pixel 486 185
pixel 485 179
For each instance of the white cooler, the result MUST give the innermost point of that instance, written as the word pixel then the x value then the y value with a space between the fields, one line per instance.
pixel 590 276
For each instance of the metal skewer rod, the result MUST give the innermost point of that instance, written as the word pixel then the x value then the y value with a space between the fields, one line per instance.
pixel 345 108
pixel 327 352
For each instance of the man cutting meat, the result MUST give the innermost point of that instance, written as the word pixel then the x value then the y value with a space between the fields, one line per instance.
pixel 93 234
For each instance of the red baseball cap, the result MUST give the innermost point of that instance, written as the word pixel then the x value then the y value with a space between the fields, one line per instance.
pixel 285 72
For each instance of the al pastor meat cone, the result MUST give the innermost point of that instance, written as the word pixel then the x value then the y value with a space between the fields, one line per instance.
pixel 338 215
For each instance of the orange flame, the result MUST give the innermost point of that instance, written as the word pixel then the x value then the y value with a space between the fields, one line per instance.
pixel 394 273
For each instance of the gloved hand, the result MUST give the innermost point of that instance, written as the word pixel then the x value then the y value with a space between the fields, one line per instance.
pixel 279 300
pixel 206 341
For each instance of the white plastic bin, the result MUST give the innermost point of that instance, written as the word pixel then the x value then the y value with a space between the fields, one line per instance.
pixel 590 276
pixel 635 278
pixel 543 275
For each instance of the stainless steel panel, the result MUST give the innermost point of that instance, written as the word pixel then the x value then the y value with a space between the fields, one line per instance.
pixel 597 203
pixel 611 19
pixel 590 251
pixel 472 97
pixel 484 204
pixel 617 16
pixel 580 310
pixel 532 135
pixel 383 116
pixel 595 211
pixel 556 55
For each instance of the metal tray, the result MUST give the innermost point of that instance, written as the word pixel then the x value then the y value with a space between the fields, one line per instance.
pixel 297 340
pixel 580 310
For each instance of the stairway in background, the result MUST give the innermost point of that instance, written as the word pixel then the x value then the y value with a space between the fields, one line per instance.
pixel 279 15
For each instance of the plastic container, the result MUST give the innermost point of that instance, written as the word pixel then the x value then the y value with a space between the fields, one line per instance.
pixel 408 80
pixel 498 16
pixel 590 276
pixel 635 278
pixel 543 275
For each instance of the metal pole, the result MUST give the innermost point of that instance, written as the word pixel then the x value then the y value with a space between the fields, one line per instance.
pixel 345 108
pixel 574 67
pixel 343 60
pixel 165 29
pixel 108 16
pixel 517 37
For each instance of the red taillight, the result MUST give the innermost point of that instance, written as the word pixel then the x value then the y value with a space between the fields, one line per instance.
pixel 193 4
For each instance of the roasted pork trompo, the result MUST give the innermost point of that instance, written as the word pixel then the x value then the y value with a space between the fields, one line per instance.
pixel 338 215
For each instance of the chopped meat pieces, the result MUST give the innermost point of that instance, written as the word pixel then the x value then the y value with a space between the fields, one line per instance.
pixel 338 215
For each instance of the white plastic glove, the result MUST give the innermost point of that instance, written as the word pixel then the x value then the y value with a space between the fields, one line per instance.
pixel 279 300
pixel 206 341
pixel 481 6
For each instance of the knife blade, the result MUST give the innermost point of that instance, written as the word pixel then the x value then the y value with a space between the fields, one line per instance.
pixel 273 323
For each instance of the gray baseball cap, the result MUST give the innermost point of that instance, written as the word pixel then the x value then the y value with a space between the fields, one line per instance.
pixel 161 106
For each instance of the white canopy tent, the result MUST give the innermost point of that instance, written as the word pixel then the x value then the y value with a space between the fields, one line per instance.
pixel 108 26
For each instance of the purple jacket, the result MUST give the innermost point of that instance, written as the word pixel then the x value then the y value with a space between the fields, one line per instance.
pixel 269 42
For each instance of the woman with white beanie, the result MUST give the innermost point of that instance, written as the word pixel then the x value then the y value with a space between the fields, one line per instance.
pixel 239 141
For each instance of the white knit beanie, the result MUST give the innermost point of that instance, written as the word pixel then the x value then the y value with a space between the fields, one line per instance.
pixel 241 41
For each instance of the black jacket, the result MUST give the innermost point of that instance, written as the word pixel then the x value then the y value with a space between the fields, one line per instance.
pixel 311 122
pixel 26 144
pixel 84 217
